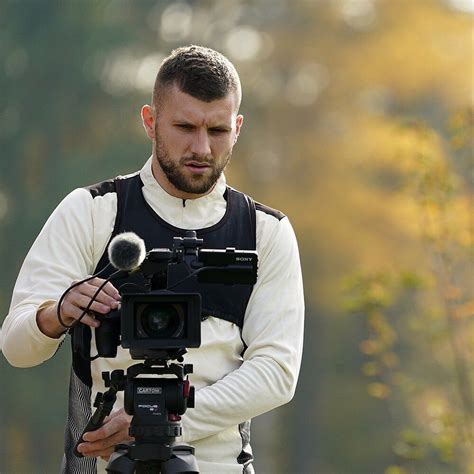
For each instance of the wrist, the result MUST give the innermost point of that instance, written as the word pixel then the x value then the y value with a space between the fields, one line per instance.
pixel 47 320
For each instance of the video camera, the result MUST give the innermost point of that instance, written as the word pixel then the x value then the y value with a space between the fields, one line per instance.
pixel 157 320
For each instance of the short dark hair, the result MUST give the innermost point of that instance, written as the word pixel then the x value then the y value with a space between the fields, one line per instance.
pixel 198 71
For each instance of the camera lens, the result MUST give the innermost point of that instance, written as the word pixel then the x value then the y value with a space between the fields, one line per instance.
pixel 162 320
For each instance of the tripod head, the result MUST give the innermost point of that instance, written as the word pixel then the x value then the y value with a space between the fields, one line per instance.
pixel 157 404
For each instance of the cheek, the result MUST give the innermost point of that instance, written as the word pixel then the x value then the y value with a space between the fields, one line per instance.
pixel 222 146
pixel 174 142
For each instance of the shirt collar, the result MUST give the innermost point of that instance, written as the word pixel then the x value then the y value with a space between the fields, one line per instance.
pixel 189 214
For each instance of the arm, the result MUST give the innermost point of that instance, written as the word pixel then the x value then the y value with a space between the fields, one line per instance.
pixel 273 332
pixel 62 252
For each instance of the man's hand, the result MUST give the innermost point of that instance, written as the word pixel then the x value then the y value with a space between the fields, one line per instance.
pixel 73 304
pixel 101 443
pixel 80 296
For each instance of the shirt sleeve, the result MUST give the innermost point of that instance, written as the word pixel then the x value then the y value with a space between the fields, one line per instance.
pixel 62 252
pixel 273 333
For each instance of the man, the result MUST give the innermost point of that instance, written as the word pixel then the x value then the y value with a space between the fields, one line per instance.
pixel 251 346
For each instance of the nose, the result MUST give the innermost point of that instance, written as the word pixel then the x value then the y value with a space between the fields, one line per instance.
pixel 200 144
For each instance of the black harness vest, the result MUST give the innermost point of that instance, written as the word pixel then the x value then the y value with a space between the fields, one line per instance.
pixel 236 229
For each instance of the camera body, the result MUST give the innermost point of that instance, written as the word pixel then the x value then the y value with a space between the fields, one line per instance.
pixel 158 322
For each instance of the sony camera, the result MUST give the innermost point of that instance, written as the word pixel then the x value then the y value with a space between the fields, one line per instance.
pixel 161 318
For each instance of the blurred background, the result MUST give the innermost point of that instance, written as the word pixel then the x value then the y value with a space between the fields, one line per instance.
pixel 358 126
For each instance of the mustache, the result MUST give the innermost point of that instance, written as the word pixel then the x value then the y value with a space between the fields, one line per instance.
pixel 196 159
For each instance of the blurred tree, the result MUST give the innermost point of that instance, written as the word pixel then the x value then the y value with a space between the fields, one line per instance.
pixel 432 389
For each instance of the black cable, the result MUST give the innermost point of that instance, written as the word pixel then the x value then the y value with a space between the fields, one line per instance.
pixel 61 299
pixel 89 358
pixel 99 289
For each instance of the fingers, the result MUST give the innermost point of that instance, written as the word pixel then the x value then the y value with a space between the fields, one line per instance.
pixel 117 422
pixel 103 453
pixel 109 293
pixel 101 442
pixel 82 301
pixel 80 297
pixel 102 447
pixel 73 313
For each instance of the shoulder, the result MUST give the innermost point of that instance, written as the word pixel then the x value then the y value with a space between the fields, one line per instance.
pixel 273 228
pixel 109 186
pixel 260 208
pixel 102 188
pixel 78 201
pixel 269 211
pixel 92 206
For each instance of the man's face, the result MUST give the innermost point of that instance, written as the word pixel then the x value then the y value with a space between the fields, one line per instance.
pixel 193 142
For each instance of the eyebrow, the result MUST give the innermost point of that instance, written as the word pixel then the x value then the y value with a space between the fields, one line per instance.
pixel 218 126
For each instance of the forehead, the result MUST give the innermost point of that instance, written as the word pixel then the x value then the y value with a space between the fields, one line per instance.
pixel 177 105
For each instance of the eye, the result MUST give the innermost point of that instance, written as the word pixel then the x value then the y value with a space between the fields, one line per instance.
pixel 217 131
pixel 185 126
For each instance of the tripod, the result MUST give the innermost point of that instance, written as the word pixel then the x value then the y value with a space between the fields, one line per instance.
pixel 155 405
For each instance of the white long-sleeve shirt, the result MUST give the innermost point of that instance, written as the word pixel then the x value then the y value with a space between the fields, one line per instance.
pixel 230 388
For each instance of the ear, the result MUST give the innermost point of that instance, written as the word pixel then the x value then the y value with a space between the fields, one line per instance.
pixel 239 120
pixel 149 120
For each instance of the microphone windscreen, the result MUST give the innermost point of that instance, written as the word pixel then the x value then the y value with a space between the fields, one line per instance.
pixel 126 251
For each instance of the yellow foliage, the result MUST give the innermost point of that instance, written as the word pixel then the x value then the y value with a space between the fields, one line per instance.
pixel 463 311
pixel 395 470
pixel 379 390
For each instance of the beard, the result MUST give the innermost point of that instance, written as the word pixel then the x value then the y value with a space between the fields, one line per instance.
pixel 178 176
